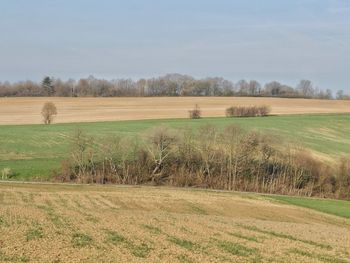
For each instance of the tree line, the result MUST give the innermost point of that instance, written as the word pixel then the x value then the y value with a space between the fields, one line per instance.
pixel 168 85
pixel 208 157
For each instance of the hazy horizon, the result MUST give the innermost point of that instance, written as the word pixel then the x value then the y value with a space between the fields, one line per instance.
pixel 271 40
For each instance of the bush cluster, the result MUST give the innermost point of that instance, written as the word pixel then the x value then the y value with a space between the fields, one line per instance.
pixel 230 159
pixel 247 111
pixel 196 113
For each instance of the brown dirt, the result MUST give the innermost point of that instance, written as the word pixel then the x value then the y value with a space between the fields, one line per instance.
pixel 148 224
pixel 27 110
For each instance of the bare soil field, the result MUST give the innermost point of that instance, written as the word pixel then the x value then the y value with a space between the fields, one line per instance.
pixel 62 223
pixel 27 110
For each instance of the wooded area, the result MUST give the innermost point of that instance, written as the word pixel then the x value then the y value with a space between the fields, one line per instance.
pixel 168 85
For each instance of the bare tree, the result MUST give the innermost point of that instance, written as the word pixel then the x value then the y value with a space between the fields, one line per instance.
pixel 49 111
pixel 207 144
pixel 306 88
pixel 167 85
pixel 82 156
pixel 196 113
pixel 161 143
pixel 341 96
pixel 254 88
pixel 229 158
pixel 231 137
pixel 242 86
pixel 273 88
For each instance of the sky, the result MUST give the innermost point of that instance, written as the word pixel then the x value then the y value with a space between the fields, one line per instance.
pixel 265 40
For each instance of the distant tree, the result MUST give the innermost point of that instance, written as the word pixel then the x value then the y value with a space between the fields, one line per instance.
pixel 329 94
pixel 254 88
pixel 49 111
pixel 62 89
pixel 196 113
pixel 71 84
pixel 342 96
pixel 306 88
pixel 47 86
pixel 273 88
pixel 167 85
pixel 228 88
pixel 82 88
pixel 141 87
pixel 242 87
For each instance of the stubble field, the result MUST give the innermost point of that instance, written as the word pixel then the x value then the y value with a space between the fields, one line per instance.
pixel 27 110
pixel 56 223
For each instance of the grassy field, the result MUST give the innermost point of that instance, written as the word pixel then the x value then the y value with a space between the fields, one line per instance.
pixel 32 151
pixel 27 110
pixel 334 207
pixel 63 223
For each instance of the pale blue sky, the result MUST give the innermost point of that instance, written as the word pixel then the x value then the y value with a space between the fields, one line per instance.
pixel 285 40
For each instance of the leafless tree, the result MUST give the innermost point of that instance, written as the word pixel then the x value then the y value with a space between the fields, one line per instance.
pixel 207 145
pixel 167 85
pixel 230 158
pixel 82 157
pixel 248 111
pixel 306 88
pixel 161 144
pixel 231 139
pixel 49 112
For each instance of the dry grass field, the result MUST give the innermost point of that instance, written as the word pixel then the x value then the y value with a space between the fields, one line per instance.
pixel 62 223
pixel 27 110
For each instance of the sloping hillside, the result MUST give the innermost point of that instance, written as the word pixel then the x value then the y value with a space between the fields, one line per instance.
pixel 62 223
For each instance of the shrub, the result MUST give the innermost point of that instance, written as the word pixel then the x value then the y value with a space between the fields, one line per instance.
pixel 195 113
pixel 343 177
pixel 209 157
pixel 247 111
pixel 6 173
pixel 264 110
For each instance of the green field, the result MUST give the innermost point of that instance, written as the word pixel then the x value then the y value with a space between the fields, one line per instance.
pixel 329 206
pixel 32 151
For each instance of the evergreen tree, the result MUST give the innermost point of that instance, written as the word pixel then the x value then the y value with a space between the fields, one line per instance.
pixel 47 86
